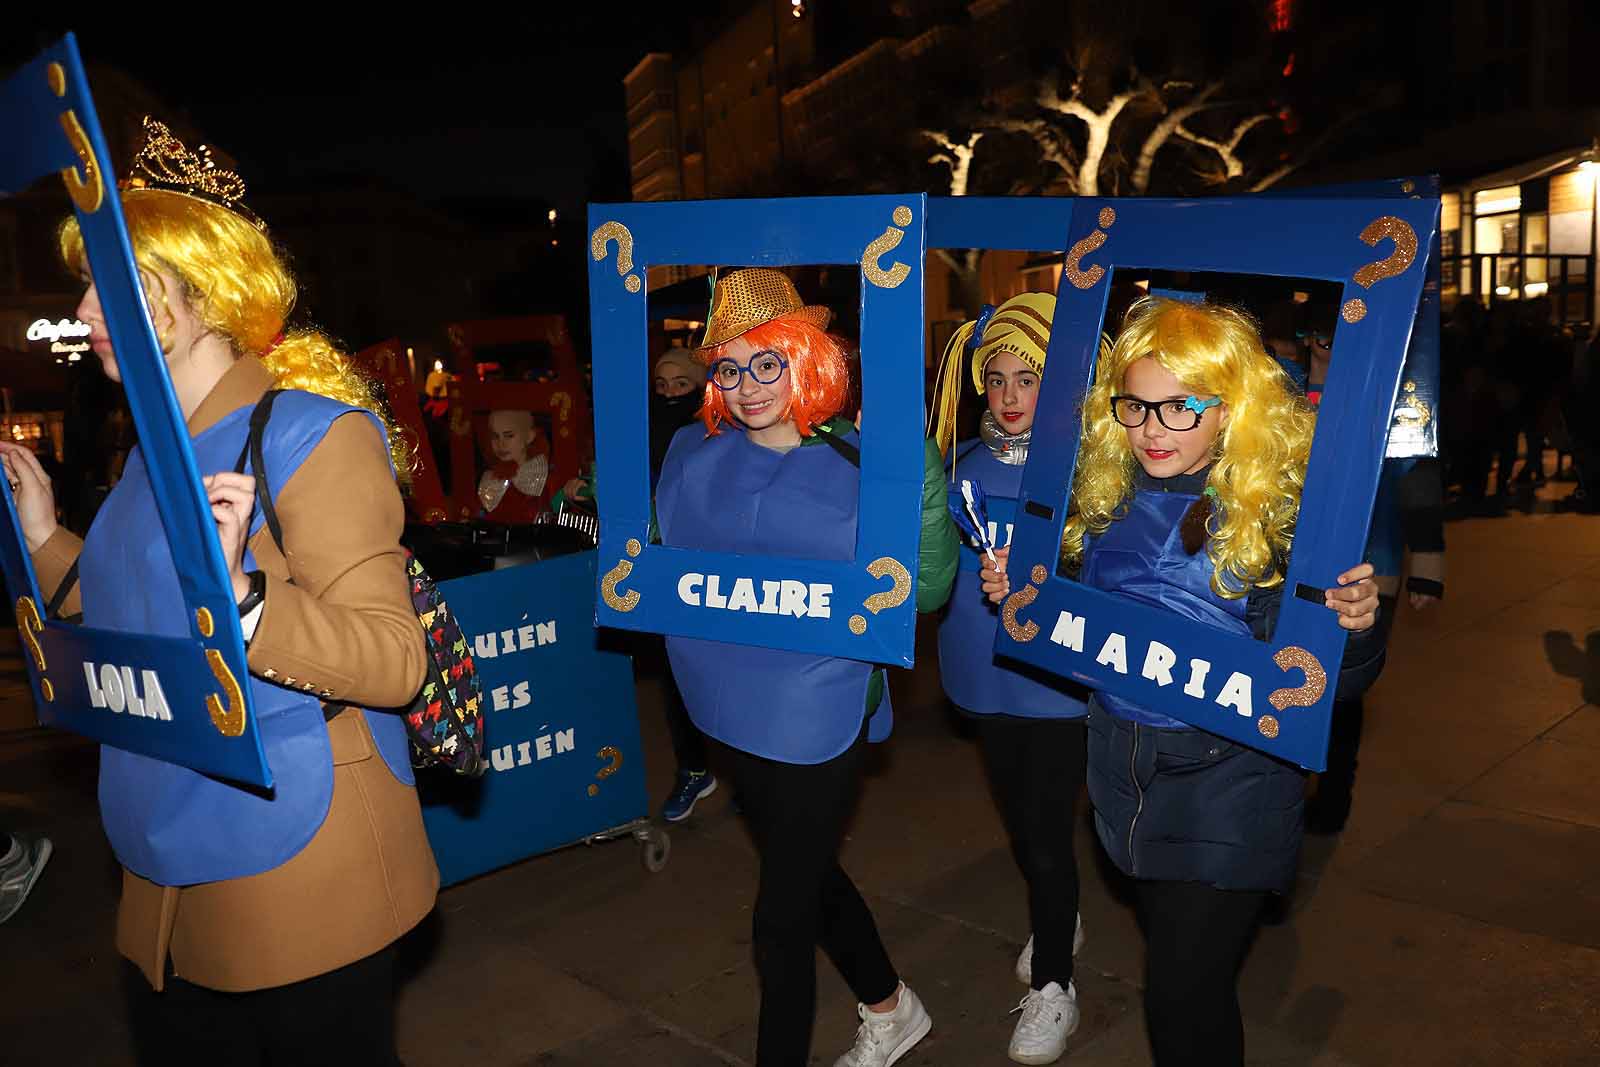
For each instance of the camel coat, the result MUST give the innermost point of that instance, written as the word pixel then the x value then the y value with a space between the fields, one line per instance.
pixel 345 629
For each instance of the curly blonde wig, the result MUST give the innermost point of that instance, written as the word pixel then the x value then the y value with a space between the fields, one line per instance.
pixel 1260 451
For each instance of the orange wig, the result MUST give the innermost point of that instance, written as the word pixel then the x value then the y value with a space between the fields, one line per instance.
pixel 819 377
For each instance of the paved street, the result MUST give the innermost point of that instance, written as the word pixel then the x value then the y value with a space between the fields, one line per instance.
pixel 1456 922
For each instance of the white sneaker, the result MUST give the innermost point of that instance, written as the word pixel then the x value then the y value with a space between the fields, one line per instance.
pixel 883 1037
pixel 20 867
pixel 1025 961
pixel 1049 1016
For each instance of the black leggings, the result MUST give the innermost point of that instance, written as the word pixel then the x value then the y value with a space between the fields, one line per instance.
pixel 1036 767
pixel 344 1017
pixel 797 815
pixel 1196 938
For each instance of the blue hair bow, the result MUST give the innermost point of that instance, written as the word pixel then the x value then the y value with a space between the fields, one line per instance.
pixel 984 315
pixel 1198 406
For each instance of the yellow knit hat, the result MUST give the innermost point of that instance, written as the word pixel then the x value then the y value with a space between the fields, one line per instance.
pixel 1020 326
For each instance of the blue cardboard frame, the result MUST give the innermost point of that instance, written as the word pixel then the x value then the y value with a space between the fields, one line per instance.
pixel 1414 423
pixel 51 126
pixel 872 615
pixel 1062 626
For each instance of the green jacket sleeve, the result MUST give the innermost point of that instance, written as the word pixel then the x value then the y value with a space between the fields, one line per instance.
pixel 938 547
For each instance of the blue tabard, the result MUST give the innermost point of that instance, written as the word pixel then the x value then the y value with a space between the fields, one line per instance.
pixel 169 824
pixel 972 679
pixel 729 494
pixel 1141 557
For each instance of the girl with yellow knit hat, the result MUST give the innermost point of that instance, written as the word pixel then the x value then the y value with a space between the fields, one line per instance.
pixel 1029 725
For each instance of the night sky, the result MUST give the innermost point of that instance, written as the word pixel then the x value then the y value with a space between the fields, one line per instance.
pixel 517 105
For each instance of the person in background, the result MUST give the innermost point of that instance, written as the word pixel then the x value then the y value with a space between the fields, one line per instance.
pixel 512 491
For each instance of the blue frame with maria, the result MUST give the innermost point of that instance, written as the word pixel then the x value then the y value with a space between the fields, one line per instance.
pixel 857 609
pixel 184 700
pixel 1278 699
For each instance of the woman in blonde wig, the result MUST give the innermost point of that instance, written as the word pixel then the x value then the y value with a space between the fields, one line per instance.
pixel 264 920
pixel 1188 486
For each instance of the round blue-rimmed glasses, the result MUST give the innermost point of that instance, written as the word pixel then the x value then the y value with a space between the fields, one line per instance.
pixel 765 367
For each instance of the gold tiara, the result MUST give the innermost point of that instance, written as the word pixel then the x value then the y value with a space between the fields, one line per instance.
pixel 166 163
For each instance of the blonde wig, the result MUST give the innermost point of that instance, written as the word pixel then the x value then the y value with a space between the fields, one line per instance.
pixel 239 286
pixel 1260 451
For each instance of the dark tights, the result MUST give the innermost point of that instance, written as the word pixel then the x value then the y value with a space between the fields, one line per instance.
pixel 1196 938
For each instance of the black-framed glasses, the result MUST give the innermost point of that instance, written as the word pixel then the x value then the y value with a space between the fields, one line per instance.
pixel 765 367
pixel 1176 415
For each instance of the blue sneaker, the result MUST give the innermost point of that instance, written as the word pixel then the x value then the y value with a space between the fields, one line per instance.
pixel 692 786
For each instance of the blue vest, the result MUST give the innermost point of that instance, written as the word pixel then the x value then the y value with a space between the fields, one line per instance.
pixel 1141 557
pixel 729 494
pixel 166 823
pixel 972 679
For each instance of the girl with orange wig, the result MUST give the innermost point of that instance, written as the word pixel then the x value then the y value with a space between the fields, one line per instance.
pixel 288 901
pixel 776 471
pixel 1187 489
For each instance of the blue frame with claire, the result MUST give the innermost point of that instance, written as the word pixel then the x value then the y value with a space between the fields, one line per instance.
pixel 81 675
pixel 1281 692
pixel 871 613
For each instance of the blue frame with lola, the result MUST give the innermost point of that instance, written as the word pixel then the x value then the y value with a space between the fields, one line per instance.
pixel 1278 694
pixel 184 700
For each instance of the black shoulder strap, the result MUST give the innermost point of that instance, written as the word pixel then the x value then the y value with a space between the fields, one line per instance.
pixel 849 451
pixel 52 610
pixel 254 452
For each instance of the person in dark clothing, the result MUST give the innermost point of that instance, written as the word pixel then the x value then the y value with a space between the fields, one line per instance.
pixel 1193 439
pixel 676 385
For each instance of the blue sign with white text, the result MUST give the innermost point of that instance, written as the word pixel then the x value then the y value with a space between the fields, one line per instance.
pixel 560 725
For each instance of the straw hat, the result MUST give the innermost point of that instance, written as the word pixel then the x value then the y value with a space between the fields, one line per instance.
pixel 752 296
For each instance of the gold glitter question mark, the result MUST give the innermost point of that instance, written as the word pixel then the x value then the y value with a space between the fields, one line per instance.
pixel 1023 632
pixel 608 585
pixel 88 191
pixel 563 400
pixel 897 272
pixel 30 626
pixel 1301 696
pixel 883 567
pixel 616 231
pixel 229 720
pixel 607 753
pixel 1073 269
pixel 1405 251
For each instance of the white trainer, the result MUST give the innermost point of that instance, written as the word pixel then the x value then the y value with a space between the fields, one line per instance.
pixel 883 1037
pixel 1025 960
pixel 1049 1016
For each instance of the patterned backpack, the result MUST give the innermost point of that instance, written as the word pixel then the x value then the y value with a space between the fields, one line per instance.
pixel 445 722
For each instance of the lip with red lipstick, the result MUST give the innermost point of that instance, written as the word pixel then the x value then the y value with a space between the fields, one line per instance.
pixel 1012 416
pixel 1158 454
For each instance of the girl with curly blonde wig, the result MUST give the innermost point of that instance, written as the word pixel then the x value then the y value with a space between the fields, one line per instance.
pixel 225 888
pixel 1189 478
pixel 1259 450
